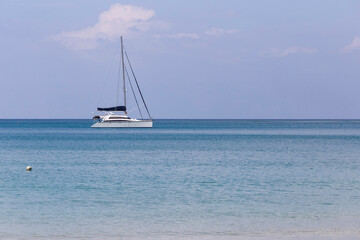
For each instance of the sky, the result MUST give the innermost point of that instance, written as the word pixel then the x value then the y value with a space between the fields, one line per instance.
pixel 236 59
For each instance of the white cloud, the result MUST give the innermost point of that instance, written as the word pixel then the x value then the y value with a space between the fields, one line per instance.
pixel 220 31
pixel 117 21
pixel 355 45
pixel 127 20
pixel 277 52
pixel 208 33
pixel 184 35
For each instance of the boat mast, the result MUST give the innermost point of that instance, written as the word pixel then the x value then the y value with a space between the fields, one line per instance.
pixel 123 70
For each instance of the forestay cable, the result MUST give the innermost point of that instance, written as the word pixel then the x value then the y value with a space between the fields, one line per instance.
pixel 137 84
pixel 132 89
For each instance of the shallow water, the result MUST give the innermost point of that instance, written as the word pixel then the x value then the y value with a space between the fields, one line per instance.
pixel 182 179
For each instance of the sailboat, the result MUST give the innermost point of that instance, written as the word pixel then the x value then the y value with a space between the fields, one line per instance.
pixel 117 116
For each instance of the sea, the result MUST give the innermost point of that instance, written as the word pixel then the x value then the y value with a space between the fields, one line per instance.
pixel 181 179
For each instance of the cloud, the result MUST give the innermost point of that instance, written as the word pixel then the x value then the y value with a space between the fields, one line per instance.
pixel 277 52
pixel 355 45
pixel 220 31
pixel 117 21
pixel 208 33
pixel 184 35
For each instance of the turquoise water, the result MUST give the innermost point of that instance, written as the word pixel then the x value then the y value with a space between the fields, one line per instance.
pixel 182 179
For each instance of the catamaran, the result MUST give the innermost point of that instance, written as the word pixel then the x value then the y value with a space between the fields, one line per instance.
pixel 117 120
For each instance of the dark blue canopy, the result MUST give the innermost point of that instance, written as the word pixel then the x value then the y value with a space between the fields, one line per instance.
pixel 118 108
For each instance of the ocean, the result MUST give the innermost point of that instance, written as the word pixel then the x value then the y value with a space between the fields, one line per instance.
pixel 182 179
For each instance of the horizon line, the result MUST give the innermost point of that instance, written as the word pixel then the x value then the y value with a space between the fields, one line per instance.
pixel 289 119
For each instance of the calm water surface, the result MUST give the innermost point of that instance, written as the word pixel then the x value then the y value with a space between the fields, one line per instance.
pixel 182 179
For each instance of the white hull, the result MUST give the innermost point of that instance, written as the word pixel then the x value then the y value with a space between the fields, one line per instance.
pixel 125 124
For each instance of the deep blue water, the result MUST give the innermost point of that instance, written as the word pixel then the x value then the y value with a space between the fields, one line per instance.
pixel 182 179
